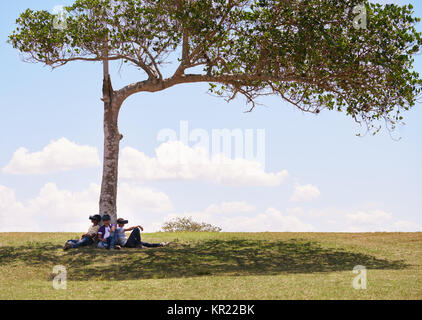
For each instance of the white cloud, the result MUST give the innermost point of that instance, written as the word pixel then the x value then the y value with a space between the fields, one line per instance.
pixel 369 219
pixel 62 210
pixel 306 192
pixel 332 219
pixel 230 207
pixel 146 199
pixel 51 210
pixel 378 220
pixel 406 226
pixel 55 209
pixel 399 2
pixel 297 211
pixel 7 196
pixel 9 212
pixel 57 156
pixel 373 217
pixel 271 220
pixel 175 160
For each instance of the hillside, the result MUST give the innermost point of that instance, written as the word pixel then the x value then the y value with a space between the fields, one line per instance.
pixel 216 266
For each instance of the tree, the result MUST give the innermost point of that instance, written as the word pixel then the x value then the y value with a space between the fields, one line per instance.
pixel 314 54
pixel 187 224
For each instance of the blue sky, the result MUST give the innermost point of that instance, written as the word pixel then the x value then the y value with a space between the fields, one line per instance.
pixel 336 181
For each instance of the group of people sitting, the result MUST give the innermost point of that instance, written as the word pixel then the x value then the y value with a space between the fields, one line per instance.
pixel 111 235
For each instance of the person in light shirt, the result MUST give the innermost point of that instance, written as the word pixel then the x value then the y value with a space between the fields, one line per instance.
pixel 87 238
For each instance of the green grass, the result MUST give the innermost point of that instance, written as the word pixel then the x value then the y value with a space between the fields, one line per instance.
pixel 216 266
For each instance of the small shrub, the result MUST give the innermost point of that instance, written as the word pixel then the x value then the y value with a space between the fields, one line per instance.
pixel 181 224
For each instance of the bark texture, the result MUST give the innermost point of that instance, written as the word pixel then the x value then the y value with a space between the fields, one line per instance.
pixel 112 137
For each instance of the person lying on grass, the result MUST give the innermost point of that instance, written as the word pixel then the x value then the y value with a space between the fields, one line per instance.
pixel 87 238
pixel 107 234
pixel 134 240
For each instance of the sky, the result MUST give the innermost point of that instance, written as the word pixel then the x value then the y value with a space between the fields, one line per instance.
pixel 308 172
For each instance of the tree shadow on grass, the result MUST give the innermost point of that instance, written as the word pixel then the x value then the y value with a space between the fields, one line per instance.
pixel 212 257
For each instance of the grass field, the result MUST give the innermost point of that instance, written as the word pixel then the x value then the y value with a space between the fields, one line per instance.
pixel 216 266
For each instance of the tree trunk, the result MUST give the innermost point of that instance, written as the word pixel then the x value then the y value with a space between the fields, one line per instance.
pixel 112 137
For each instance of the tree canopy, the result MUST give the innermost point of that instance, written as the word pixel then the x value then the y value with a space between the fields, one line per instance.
pixel 307 52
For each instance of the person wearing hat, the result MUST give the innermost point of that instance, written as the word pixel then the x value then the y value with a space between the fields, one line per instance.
pixel 134 240
pixel 107 234
pixel 87 238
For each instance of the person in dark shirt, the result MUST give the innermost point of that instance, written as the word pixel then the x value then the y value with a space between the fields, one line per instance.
pixel 134 240
pixel 107 234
